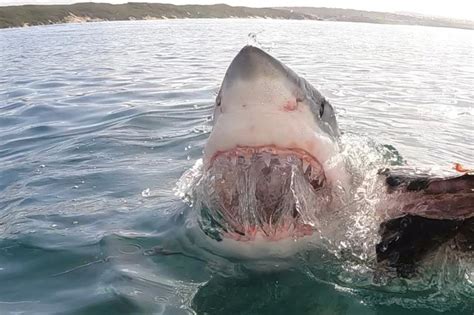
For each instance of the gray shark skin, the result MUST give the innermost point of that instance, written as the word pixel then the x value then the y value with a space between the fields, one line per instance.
pixel 263 107
pixel 252 63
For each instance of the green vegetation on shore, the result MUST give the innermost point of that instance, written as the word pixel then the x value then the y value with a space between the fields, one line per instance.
pixel 28 15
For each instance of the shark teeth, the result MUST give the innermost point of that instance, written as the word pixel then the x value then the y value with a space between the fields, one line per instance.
pixel 305 166
pixel 316 174
pixel 267 158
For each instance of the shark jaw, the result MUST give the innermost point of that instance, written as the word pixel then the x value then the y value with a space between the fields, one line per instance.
pixel 253 191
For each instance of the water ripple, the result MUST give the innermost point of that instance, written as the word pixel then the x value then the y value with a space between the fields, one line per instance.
pixel 92 115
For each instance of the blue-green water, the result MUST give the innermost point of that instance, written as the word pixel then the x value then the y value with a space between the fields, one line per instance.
pixel 98 122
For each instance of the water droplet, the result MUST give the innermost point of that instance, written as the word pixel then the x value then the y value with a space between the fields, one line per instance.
pixel 252 39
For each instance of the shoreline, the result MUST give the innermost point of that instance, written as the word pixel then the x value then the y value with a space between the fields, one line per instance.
pixel 37 15
pixel 90 21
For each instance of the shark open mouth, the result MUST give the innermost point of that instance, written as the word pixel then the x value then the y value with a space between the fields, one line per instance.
pixel 262 192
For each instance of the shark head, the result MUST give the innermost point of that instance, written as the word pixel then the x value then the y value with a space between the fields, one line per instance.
pixel 274 142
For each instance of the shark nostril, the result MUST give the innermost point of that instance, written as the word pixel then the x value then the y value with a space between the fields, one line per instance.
pixel 290 105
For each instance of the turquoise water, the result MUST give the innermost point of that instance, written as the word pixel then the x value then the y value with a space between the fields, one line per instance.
pixel 98 122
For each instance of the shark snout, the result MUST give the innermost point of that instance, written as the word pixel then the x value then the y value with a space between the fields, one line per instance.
pixel 252 63
pixel 255 81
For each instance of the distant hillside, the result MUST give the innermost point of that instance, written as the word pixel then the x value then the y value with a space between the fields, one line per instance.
pixel 331 14
pixel 50 14
pixel 28 15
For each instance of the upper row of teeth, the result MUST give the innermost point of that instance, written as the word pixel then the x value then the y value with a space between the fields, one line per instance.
pixel 268 157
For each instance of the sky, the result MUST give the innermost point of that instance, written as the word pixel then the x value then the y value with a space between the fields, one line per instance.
pixel 460 9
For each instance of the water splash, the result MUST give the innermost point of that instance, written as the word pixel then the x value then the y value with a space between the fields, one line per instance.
pixel 227 202
pixel 252 39
pixel 268 197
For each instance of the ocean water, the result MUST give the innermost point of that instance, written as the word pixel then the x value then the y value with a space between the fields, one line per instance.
pixel 98 122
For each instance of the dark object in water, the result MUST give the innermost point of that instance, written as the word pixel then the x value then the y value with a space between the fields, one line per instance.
pixel 408 237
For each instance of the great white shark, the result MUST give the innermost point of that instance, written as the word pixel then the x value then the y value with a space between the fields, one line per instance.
pixel 272 168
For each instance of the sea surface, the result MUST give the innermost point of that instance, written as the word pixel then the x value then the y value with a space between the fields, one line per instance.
pixel 98 121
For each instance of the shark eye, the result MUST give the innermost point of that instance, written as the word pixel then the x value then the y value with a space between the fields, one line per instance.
pixel 321 108
pixel 218 100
